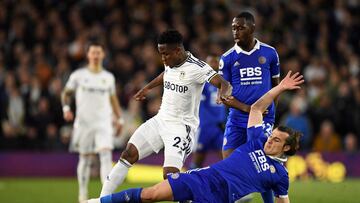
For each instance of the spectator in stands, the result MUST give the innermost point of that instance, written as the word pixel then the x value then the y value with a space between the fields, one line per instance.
pixel 351 143
pixel 327 140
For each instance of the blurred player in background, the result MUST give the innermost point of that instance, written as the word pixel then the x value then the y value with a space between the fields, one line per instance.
pixel 256 166
pixel 96 102
pixel 212 116
pixel 173 128
pixel 252 68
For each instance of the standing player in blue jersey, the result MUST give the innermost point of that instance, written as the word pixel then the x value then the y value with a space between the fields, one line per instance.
pixel 212 119
pixel 252 68
pixel 256 166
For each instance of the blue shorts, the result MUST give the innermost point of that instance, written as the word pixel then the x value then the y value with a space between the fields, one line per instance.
pixel 210 138
pixel 236 136
pixel 203 185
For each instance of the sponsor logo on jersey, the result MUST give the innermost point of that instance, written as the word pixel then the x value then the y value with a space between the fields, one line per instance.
pixel 250 76
pixel 259 160
pixel 94 90
pixel 262 60
pixel 236 64
pixel 175 87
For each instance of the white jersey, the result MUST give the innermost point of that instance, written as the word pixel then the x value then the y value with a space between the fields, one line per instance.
pixel 183 86
pixel 93 91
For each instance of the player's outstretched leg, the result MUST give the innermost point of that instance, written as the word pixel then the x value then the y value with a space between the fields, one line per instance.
pixel 118 173
pixel 159 192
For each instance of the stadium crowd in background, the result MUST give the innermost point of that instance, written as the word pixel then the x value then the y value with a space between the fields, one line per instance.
pixel 42 42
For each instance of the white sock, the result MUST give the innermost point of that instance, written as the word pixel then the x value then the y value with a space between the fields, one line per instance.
pixel 83 175
pixel 115 177
pixel 105 164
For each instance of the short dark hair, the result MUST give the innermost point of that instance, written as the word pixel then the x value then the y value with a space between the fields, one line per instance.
pixel 248 16
pixel 94 43
pixel 170 37
pixel 293 140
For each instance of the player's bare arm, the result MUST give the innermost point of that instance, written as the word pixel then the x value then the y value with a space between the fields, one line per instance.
pixel 290 82
pixel 115 104
pixel 141 94
pixel 225 89
pixel 66 97
pixel 282 200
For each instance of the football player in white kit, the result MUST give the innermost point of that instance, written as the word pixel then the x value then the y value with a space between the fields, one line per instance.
pixel 96 102
pixel 173 128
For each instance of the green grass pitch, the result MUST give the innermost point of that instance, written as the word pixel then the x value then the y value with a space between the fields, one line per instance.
pixel 64 190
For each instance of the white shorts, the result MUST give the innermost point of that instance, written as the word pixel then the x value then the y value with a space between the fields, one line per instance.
pixel 89 140
pixel 176 138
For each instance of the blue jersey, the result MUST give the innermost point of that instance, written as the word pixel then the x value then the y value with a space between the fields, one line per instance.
pixel 210 112
pixel 212 119
pixel 250 74
pixel 246 170
pixel 249 170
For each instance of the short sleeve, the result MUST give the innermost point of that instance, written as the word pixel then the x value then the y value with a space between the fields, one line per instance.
pixel 256 132
pixel 205 74
pixel 275 65
pixel 72 82
pixel 224 69
pixel 112 85
pixel 282 187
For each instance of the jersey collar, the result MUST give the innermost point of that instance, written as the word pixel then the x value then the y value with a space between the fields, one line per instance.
pixel 281 159
pixel 240 50
pixel 182 63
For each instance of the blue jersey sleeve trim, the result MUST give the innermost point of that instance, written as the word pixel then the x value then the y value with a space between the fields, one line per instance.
pixel 255 132
pixel 276 76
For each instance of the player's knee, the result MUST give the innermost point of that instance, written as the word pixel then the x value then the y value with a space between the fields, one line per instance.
pixel 130 154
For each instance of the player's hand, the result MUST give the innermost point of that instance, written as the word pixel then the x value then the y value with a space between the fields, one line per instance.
pixel 118 127
pixel 224 94
pixel 291 82
pixel 68 115
pixel 141 94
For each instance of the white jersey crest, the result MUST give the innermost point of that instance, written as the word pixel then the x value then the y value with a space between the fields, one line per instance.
pixel 183 86
pixel 93 91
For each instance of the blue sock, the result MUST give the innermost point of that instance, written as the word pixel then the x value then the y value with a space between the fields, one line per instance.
pixel 268 196
pixel 126 196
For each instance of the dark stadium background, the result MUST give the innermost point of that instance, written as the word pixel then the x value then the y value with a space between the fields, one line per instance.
pixel 43 41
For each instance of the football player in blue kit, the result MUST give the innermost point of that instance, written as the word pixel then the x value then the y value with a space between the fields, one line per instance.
pixel 256 166
pixel 252 68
